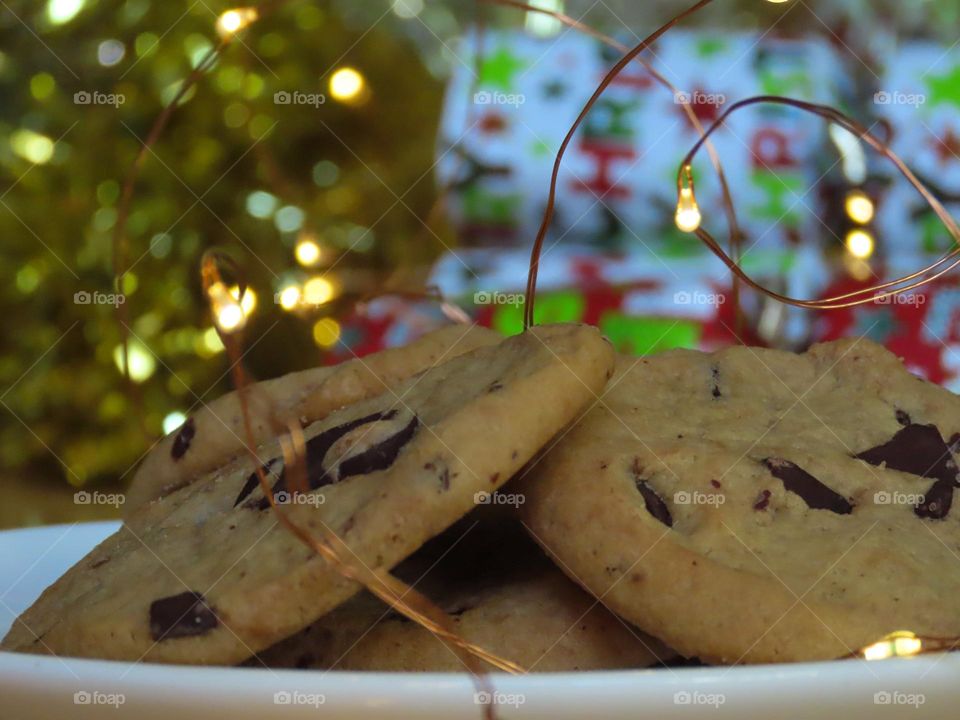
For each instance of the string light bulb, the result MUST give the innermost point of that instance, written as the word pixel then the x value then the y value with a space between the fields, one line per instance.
pixel 688 213
pixel 902 643
pixel 859 243
pixel 232 21
pixel 347 85
pixel 859 207
pixel 227 311
pixel 249 300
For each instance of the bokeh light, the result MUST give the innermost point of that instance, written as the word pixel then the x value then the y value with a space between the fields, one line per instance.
pixel 326 332
pixel 172 421
pixel 289 297
pixel 308 251
pixel 347 85
pixel 63 11
pixel 142 362
pixel 859 207
pixel 859 243
pixel 234 20
pixel 32 146
pixel 318 291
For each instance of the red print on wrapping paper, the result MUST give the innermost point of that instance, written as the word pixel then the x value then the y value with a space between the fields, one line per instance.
pixel 641 80
pixel 897 325
pixel 947 147
pixel 705 105
pixel 604 154
pixel 492 123
pixel 588 271
pixel 770 148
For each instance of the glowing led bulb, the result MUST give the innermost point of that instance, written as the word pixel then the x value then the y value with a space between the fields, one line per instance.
pixel 688 214
pixel 249 300
pixel 902 643
pixel 227 310
pixel 233 21
pixel 859 243
pixel 859 207
pixel 346 84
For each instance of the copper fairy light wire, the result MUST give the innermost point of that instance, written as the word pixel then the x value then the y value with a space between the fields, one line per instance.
pixel 237 20
pixel 392 591
pixel 385 586
pixel 686 203
pixel 898 644
pixel 688 214
pixel 226 305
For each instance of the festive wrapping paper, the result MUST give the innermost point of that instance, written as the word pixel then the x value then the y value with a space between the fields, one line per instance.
pixel 642 301
pixel 918 99
pixel 917 102
pixel 922 327
pixel 614 257
pixel 501 130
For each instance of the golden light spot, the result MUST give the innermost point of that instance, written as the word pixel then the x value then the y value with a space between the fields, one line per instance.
pixel 326 332
pixel 688 213
pixel 859 207
pixel 347 85
pixel 142 362
pixel 307 251
pixel 234 20
pixel 172 421
pixel 249 301
pixel 227 311
pixel 859 244
pixel 902 643
pixel 317 291
pixel 210 343
pixel 63 11
pixel 289 297
pixel 32 146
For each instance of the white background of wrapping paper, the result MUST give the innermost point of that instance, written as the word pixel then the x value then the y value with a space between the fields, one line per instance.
pixel 663 134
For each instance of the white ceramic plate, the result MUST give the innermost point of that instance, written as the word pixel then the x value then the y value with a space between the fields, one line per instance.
pixel 52 687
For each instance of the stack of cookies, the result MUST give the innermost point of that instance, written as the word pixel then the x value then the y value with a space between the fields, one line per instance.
pixel 745 506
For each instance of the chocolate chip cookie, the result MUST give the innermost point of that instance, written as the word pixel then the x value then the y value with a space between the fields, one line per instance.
pixel 206 574
pixel 543 622
pixel 755 505
pixel 502 593
pixel 214 435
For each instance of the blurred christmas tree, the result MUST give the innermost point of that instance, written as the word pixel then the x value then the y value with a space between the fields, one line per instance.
pixel 310 139
pixel 251 162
